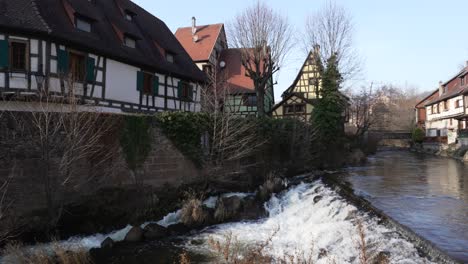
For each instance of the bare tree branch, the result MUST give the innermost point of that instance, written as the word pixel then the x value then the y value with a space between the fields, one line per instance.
pixel 331 28
pixel 265 39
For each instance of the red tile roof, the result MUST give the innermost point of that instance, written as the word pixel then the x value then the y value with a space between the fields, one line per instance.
pixel 453 88
pixel 234 73
pixel 207 36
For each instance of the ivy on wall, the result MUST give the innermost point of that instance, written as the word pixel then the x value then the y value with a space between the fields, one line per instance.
pixel 135 139
pixel 185 130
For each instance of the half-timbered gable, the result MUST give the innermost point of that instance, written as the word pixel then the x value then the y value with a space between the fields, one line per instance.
pixel 111 52
pixel 308 81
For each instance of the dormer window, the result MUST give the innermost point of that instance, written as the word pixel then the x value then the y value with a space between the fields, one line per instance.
pixel 462 80
pixel 129 15
pixel 129 41
pixel 83 24
pixel 170 57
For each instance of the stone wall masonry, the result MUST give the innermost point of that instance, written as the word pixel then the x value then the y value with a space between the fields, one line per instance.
pixel 164 166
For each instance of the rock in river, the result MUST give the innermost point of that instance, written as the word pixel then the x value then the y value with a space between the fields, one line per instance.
pixel 134 235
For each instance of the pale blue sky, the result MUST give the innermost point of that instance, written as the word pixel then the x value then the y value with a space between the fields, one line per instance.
pixel 411 43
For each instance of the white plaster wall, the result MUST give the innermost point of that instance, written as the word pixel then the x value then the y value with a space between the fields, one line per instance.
pixel 34 48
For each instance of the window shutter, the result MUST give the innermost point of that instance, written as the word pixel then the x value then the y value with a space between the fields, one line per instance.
pixel 4 54
pixel 179 89
pixel 90 65
pixel 155 85
pixel 62 61
pixel 140 80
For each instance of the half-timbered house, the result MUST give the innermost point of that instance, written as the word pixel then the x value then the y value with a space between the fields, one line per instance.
pixel 118 56
pixel 208 48
pixel 299 99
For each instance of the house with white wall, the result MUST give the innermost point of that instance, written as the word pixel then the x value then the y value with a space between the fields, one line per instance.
pixel 445 111
pixel 118 56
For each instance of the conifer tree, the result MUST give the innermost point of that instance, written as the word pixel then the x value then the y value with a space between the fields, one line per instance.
pixel 327 116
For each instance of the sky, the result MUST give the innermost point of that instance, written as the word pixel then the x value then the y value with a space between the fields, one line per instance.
pixel 413 44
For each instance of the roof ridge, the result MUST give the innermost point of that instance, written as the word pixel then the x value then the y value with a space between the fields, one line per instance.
pixel 36 10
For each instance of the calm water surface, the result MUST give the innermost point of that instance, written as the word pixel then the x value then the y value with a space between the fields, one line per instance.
pixel 426 193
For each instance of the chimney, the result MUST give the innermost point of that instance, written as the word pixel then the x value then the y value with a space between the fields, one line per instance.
pixel 317 48
pixel 441 88
pixel 194 26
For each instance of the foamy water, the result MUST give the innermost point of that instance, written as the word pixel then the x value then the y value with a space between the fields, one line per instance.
pixel 297 224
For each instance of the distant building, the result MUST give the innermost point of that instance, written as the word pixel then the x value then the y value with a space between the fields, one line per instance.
pixel 444 113
pixel 299 99
pixel 120 57
pixel 208 48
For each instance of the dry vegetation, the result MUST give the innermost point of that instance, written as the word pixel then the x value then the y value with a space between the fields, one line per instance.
pixel 17 254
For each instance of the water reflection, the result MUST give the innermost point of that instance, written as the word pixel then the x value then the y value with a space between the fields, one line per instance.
pixel 426 193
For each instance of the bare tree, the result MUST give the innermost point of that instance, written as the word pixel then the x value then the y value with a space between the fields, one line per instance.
pixel 264 38
pixel 331 29
pixel 230 137
pixel 361 106
pixel 68 136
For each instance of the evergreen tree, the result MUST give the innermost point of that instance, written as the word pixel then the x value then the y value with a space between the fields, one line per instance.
pixel 327 116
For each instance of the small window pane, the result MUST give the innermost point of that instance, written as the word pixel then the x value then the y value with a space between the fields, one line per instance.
pixel 83 25
pixel 129 42
pixel 18 56
pixel 170 58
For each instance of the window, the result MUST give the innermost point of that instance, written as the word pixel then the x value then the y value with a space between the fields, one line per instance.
pixel 459 103
pixel 170 57
pixel 294 109
pixel 18 55
pixel 77 66
pixel 83 24
pixel 129 42
pixel 462 80
pixel 312 81
pixel 129 15
pixel 444 89
pixel 249 100
pixel 185 90
pixel 147 83
pixel 445 103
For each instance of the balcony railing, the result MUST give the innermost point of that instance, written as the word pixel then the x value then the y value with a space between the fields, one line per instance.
pixel 443 140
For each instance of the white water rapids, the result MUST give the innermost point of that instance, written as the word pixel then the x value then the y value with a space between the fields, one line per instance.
pixel 298 225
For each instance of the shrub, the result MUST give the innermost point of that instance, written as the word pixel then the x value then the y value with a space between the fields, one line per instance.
pixel 135 140
pixel 418 135
pixel 16 253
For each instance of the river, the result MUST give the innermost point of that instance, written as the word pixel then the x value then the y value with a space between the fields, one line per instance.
pixel 426 193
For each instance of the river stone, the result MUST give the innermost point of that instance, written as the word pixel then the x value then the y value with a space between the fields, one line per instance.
pixel 154 231
pixel 107 243
pixel 317 198
pixel 178 229
pixel 228 208
pixel 134 235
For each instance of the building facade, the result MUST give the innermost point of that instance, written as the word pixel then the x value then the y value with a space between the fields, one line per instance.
pixel 443 114
pixel 112 53
pixel 208 48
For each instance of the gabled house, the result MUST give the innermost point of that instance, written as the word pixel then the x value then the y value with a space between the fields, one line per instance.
pixel 207 46
pixel 120 57
pixel 444 112
pixel 299 99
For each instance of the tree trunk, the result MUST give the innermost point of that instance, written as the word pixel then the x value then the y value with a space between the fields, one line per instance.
pixel 260 100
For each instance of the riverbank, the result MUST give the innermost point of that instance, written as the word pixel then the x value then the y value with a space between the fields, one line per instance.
pixel 308 213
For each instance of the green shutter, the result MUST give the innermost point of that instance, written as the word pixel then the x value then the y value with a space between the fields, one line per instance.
pixel 62 61
pixel 179 89
pixel 140 80
pixel 90 65
pixel 155 85
pixel 4 54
